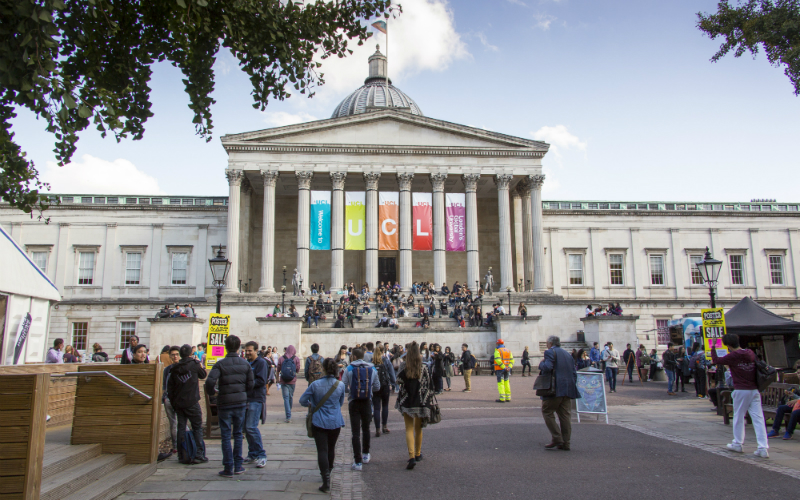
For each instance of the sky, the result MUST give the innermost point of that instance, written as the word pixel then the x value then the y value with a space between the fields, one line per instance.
pixel 623 91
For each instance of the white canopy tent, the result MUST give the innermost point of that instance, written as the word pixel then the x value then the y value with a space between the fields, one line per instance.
pixel 24 289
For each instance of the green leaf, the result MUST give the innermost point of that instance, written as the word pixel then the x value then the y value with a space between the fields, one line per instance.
pixel 181 3
pixel 84 111
pixel 69 101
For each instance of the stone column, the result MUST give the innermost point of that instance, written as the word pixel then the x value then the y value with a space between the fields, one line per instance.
pixel 439 250
pixel 404 183
pixel 516 236
pixel 502 181
pixel 270 178
pixel 303 213
pixel 536 182
pixel 244 234
pixel 337 231
pixel 109 256
pixel 371 179
pixel 527 236
pixel 473 272
pixel 235 178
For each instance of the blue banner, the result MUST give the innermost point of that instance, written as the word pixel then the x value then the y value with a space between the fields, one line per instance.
pixel 320 222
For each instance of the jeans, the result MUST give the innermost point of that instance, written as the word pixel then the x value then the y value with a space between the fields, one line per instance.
pixel 287 390
pixel 748 402
pixel 195 416
pixel 524 364
pixel 380 406
pixel 670 379
pixel 611 375
pixel 231 424
pixel 793 420
pixel 255 448
pixel 315 318
pixel 700 382
pixel 173 423
pixel 325 439
pixel 360 415
pixel 630 371
pixel 437 381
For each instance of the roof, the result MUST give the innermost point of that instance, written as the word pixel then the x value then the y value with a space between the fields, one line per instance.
pixel 749 318
pixel 20 275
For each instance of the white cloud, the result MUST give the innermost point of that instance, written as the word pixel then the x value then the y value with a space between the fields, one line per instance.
pixel 560 140
pixel 282 118
pixel 544 21
pixel 486 43
pixel 93 175
pixel 517 2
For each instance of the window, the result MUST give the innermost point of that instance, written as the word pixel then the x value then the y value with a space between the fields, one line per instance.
pixel 662 331
pixel 127 329
pixel 657 270
pixel 133 268
pixel 86 268
pixel 575 269
pixel 776 269
pixel 697 277
pixel 179 261
pixel 40 259
pixel 615 269
pixel 80 331
pixel 736 263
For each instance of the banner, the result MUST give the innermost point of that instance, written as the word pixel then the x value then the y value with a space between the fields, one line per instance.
pixel 320 225
pixel 388 220
pixel 713 331
pixel 422 221
pixel 455 210
pixel 22 335
pixel 219 326
pixel 355 237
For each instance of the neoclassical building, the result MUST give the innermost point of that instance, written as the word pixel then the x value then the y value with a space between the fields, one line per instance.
pixel 380 192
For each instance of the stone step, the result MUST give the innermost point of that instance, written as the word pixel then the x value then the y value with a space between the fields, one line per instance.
pixel 79 476
pixel 66 457
pixel 569 346
pixel 114 483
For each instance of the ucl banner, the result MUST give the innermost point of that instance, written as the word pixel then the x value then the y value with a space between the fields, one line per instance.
pixel 455 222
pixel 422 220
pixel 320 225
pixel 355 211
pixel 388 216
pixel 22 335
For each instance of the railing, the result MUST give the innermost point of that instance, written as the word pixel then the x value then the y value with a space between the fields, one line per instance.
pixel 87 376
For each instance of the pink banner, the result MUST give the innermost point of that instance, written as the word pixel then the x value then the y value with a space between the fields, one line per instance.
pixel 455 222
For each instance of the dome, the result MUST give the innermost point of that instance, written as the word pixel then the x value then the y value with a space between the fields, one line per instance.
pixel 373 94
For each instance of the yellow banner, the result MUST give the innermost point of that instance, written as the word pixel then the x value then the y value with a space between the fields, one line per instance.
pixel 355 211
pixel 713 331
pixel 219 326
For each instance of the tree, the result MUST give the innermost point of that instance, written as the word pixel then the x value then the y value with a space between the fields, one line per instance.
pixel 77 63
pixel 774 25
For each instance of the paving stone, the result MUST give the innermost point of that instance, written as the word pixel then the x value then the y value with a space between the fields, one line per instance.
pixel 305 487
pixel 234 485
pixel 172 486
pixel 214 495
pixel 271 495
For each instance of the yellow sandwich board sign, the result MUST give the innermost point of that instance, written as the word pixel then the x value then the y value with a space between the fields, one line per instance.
pixel 219 326
pixel 713 330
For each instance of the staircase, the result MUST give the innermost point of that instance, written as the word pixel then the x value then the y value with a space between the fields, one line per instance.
pixel 83 472
pixel 569 346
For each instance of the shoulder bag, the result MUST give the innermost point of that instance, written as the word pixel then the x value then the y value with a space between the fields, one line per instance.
pixel 324 400
pixel 544 385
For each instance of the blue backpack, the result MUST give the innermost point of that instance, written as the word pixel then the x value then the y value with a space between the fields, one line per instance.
pixel 288 369
pixel 188 448
pixel 361 383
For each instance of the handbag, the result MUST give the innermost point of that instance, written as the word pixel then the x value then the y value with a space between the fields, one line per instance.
pixel 436 412
pixel 544 385
pixel 311 413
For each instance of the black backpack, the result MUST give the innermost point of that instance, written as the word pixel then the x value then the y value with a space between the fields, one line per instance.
pixel 383 374
pixel 765 375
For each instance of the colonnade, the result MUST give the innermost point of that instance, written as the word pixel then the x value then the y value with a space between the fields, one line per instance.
pixel 530 189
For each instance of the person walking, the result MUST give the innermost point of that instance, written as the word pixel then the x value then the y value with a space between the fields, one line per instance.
pixel 360 380
pixel 449 360
pixel 313 365
pixel 699 366
pixel 682 369
pixel 172 418
pixel 235 379
pixel 629 359
pixel 611 360
pixel 503 363
pixel 594 355
pixel 380 397
pixel 467 365
pixel 183 391
pixel 437 363
pixel 670 366
pixel 746 396
pixel 414 401
pixel 326 396
pixel 559 364
pixel 256 406
pixel 288 366
pixel 526 361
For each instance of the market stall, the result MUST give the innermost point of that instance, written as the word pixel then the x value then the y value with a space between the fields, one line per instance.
pixel 773 338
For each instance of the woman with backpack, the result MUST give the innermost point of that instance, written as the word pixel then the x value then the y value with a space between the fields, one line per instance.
pixel 326 397
pixel 380 398
pixel 99 356
pixel 414 401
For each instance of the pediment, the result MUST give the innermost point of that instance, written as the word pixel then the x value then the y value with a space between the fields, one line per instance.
pixel 386 128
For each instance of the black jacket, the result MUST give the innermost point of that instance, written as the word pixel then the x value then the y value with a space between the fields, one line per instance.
pixel 183 384
pixel 258 394
pixel 466 360
pixel 235 380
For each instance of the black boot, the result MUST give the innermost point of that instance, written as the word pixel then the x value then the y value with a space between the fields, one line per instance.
pixel 326 481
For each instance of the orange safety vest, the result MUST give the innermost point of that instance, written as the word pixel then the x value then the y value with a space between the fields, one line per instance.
pixel 505 360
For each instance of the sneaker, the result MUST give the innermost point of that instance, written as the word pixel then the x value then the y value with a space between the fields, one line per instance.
pixel 261 463
pixel 356 467
pixel 239 471
pixel 736 448
pixel 226 473
pixel 788 435
pixel 761 453
pixel 287 421
pixel 772 433
pixel 365 458
pixel 199 460
pixel 249 460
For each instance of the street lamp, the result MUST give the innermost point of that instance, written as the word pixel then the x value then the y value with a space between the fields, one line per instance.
pixel 508 291
pixel 219 272
pixel 283 292
pixel 709 268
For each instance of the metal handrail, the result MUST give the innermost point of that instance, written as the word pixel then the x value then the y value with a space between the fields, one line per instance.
pixel 89 374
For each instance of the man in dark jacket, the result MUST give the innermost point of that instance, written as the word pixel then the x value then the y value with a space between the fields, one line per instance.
pixel 172 417
pixel 467 365
pixel 560 363
pixel 629 358
pixel 235 379
pixel 183 391
pixel 256 406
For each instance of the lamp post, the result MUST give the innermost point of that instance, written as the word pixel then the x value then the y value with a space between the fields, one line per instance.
pixel 219 272
pixel 283 292
pixel 709 268
pixel 508 291
pixel 301 287
pixel 529 286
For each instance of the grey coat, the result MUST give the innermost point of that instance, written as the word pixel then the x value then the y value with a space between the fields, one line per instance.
pixel 565 374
